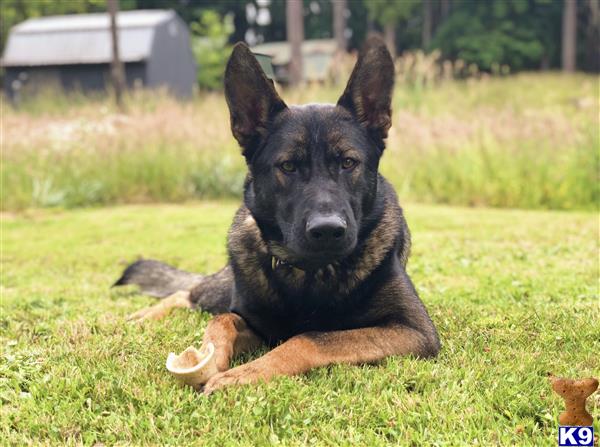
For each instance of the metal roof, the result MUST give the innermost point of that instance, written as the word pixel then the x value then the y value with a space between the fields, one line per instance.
pixel 82 38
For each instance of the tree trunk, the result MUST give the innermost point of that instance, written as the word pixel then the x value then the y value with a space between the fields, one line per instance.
pixel 427 24
pixel 444 10
pixel 592 54
pixel 569 35
pixel 389 33
pixel 339 24
pixel 117 72
pixel 295 36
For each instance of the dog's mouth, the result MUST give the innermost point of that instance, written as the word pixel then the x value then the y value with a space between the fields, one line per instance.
pixel 285 257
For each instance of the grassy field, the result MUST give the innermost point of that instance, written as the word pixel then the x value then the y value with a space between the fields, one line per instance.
pixel 513 293
pixel 524 141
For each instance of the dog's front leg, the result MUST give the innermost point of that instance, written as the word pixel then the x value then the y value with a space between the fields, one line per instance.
pixel 231 336
pixel 314 349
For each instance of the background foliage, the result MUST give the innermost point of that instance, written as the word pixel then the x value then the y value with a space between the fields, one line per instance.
pixel 522 34
pixel 210 36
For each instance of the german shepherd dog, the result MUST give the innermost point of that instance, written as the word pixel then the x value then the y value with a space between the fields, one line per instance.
pixel 318 250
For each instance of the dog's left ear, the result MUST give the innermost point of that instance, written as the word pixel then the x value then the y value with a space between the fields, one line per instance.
pixel 368 94
pixel 251 97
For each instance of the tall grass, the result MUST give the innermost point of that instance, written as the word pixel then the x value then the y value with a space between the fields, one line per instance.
pixel 527 141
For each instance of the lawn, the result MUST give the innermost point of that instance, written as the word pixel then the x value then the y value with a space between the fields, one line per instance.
pixel 513 293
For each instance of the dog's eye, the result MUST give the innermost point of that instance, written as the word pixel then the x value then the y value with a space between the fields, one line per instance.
pixel 348 163
pixel 288 167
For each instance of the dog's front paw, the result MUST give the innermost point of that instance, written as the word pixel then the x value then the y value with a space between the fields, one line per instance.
pixel 242 375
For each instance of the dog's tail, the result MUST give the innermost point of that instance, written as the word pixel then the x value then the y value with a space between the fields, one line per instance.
pixel 158 279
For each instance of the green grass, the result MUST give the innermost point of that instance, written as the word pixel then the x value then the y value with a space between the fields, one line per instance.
pixel 513 293
pixel 525 141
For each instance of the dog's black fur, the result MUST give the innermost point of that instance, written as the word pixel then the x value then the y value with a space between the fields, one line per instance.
pixel 320 243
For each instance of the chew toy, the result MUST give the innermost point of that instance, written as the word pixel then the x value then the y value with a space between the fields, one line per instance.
pixel 574 392
pixel 193 367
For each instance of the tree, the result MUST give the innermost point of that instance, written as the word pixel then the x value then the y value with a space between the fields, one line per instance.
pixel 427 23
pixel 295 36
pixel 592 37
pixel 519 33
pixel 339 24
pixel 569 35
pixel 388 13
pixel 444 9
pixel 116 66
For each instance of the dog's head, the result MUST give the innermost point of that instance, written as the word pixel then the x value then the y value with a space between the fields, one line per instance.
pixel 313 168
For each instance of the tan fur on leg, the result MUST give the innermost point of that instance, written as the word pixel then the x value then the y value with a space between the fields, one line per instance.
pixel 303 352
pixel 163 308
pixel 231 336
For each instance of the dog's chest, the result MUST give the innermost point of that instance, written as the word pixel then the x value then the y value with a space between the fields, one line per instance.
pixel 311 306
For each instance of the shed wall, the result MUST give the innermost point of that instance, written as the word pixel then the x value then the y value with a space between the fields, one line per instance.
pixel 171 61
pixel 81 77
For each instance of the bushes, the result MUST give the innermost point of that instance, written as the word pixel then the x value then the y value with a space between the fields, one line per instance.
pixel 210 48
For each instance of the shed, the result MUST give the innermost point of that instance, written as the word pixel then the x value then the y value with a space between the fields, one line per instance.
pixel 317 57
pixel 74 52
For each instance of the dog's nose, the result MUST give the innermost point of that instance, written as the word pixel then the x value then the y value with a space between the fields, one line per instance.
pixel 326 230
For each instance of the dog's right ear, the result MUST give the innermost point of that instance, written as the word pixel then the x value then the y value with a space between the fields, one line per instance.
pixel 251 97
